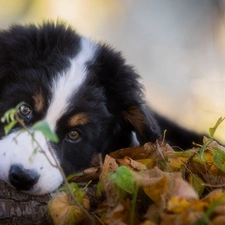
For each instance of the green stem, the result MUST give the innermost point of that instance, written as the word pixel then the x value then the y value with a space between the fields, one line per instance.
pixel 133 204
pixel 72 198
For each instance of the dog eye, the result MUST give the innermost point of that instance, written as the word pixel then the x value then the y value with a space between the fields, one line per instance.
pixel 25 110
pixel 74 135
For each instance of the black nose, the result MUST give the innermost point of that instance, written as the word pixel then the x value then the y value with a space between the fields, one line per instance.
pixel 21 178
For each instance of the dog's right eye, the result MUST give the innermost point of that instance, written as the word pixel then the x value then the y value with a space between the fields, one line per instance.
pixel 25 111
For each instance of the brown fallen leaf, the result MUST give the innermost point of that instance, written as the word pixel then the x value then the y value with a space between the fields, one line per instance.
pixel 180 204
pixel 185 218
pixel 160 186
pixel 64 212
pixel 108 188
pixel 149 162
pixel 147 222
pixel 127 161
pixel 157 190
pixel 140 152
pixel 219 220
pixel 182 188
pixel 121 214
pixel 175 160
pixel 87 175
pixel 214 196
pixel 153 214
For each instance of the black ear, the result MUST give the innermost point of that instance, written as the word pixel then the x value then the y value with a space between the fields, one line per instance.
pixel 143 123
pixel 124 94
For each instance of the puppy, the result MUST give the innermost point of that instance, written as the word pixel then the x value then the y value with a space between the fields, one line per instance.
pixel 87 94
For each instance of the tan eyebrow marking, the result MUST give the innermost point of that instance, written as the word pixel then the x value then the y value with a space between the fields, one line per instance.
pixel 78 119
pixel 39 102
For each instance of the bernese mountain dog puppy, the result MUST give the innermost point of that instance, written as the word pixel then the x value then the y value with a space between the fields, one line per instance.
pixel 87 94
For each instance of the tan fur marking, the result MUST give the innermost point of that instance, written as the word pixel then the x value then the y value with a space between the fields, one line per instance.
pixel 79 119
pixel 39 102
pixel 136 117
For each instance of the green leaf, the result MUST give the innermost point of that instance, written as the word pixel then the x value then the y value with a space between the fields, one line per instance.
pixel 197 183
pixel 202 149
pixel 43 127
pixel 219 158
pixel 9 126
pixel 78 192
pixel 99 188
pixel 124 179
pixel 72 176
pixel 212 130
pixel 8 116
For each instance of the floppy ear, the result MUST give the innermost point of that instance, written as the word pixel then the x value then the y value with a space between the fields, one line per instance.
pixel 143 123
pixel 124 94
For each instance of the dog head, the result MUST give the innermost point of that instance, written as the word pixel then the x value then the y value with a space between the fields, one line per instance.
pixel 85 91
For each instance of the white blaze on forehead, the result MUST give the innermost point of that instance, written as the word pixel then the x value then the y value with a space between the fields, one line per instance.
pixel 67 83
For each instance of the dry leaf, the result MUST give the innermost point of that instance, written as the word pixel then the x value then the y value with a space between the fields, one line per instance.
pixel 175 160
pixel 121 214
pixel 140 152
pixel 90 170
pixel 219 220
pixel 159 173
pixel 108 188
pixel 182 188
pixel 158 190
pixel 161 186
pixel 109 166
pixel 127 161
pixel 149 162
pixel 185 218
pixel 65 213
pixel 215 195
pixel 88 174
pixel 180 204
pixel 147 222
pixel 153 214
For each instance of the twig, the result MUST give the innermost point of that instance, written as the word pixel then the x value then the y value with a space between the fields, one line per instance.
pixel 72 198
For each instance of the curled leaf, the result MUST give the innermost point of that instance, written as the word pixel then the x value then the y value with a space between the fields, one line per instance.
pixel 65 213
pixel 212 130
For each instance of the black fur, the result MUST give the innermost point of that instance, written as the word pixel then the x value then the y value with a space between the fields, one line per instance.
pixel 111 95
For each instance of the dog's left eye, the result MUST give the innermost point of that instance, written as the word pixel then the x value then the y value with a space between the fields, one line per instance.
pixel 74 135
pixel 25 111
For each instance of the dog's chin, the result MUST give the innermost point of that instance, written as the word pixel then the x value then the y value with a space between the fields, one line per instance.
pixel 42 190
pixel 39 191
pixel 46 186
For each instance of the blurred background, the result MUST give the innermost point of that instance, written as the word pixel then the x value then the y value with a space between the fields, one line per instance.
pixel 177 46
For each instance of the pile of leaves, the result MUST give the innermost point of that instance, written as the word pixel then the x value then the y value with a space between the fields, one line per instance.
pixel 148 185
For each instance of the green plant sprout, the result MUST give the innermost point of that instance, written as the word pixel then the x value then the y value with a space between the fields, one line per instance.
pixel 123 179
pixel 11 118
pixel 212 131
